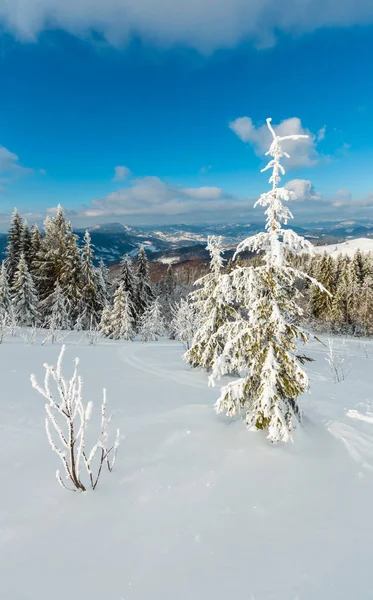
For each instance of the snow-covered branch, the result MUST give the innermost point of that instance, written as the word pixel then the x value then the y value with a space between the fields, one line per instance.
pixel 66 424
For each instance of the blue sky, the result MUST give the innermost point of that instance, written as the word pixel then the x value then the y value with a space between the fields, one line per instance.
pixel 181 111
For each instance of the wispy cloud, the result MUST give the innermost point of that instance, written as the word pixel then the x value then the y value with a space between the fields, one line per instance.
pixel 205 25
pixel 121 173
pixel 303 153
pixel 10 165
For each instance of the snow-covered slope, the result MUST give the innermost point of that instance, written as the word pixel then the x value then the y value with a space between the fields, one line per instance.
pixel 349 247
pixel 197 506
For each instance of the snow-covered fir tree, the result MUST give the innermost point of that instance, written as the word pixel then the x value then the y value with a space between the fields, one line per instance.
pixel 24 297
pixel 15 244
pixel 57 310
pixel 128 277
pixel 90 303
pixel 36 242
pixel 144 295
pixel 122 326
pixel 103 283
pixel 212 308
pixel 106 324
pixel 5 299
pixel 151 323
pixel 320 301
pixel 50 259
pixel 184 324
pixel 71 275
pixel 263 347
pixel 27 244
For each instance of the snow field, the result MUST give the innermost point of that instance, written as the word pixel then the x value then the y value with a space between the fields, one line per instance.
pixel 198 507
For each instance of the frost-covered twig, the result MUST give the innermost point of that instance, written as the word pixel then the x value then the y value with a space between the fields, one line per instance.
pixel 337 364
pixel 67 418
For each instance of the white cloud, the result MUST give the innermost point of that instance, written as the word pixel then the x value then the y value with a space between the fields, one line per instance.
pixel 121 173
pixel 303 153
pixel 321 134
pixel 204 25
pixel 303 190
pixel 9 164
pixel 152 196
pixel 203 193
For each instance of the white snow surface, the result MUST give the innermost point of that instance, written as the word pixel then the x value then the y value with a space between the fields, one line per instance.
pixel 349 247
pixel 197 507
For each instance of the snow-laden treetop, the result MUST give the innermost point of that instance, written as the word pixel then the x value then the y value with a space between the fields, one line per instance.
pixel 277 213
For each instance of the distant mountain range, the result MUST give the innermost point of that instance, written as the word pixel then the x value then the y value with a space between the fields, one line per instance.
pixel 174 243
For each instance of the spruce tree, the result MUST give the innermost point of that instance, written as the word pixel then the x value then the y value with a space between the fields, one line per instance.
pixel 71 275
pixel 36 243
pixel 90 304
pixel 212 309
pixel 144 294
pixel 343 298
pixel 320 301
pixel 129 280
pixel 24 298
pixel 15 244
pixel 263 345
pixel 103 283
pixel 151 323
pixel 49 263
pixel 57 310
pixel 184 323
pixel 5 298
pixel 366 306
pixel 27 244
pixel 122 326
pixel 106 324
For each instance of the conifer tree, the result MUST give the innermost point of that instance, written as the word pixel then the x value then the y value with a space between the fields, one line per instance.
pixel 71 275
pixel 50 259
pixel 106 323
pixel 57 310
pixel 343 299
pixel 212 309
pixel 122 326
pixel 366 306
pixel 358 267
pixel 103 283
pixel 27 244
pixel 320 301
pixel 15 244
pixel 184 322
pixel 144 295
pixel 151 323
pixel 90 304
pixel 264 344
pixel 5 298
pixel 24 298
pixel 35 247
pixel 129 280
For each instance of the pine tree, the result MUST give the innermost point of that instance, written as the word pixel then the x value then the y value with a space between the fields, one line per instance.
pixel 184 322
pixel 320 301
pixel 144 295
pixel 366 306
pixel 27 244
pixel 343 299
pixel 50 259
pixel 5 298
pixel 358 267
pixel 36 243
pixel 122 326
pixel 71 275
pixel 264 344
pixel 129 280
pixel 57 310
pixel 106 324
pixel 24 298
pixel 212 309
pixel 15 244
pixel 151 323
pixel 103 283
pixel 90 304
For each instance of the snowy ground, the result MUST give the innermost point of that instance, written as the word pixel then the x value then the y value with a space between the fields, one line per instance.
pixel 198 508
